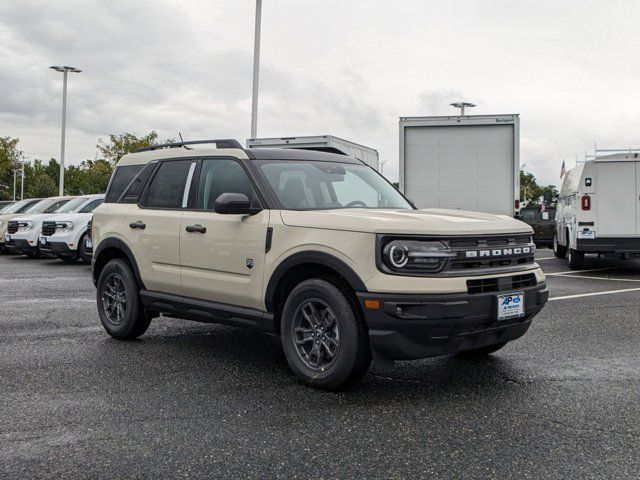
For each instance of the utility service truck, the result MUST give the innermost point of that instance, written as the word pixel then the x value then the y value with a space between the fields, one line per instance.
pixel 469 162
pixel 321 143
pixel 598 209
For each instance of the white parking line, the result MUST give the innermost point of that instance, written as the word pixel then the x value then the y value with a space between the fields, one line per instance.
pixel 603 278
pixel 545 258
pixel 575 272
pixel 580 295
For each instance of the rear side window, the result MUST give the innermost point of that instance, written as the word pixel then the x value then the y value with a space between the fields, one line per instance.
pixel 121 179
pixel 167 187
pixel 135 187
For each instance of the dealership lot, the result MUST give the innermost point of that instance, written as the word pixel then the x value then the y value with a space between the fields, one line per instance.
pixel 193 399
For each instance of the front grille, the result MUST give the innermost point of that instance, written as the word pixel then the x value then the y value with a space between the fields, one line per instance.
pixel 501 284
pixel 488 253
pixel 48 228
pixel 12 227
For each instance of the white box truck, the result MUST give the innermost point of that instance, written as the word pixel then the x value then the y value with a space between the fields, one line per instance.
pixel 323 143
pixel 599 209
pixel 469 162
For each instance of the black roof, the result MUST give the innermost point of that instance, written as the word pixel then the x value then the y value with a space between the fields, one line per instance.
pixel 299 154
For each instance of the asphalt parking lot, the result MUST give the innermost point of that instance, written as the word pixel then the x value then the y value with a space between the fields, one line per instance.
pixel 198 400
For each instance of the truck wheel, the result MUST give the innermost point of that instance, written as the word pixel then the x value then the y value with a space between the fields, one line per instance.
pixel 324 341
pixel 559 251
pixel 576 259
pixel 119 305
pixel 82 251
pixel 482 351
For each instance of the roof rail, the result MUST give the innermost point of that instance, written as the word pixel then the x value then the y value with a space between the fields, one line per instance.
pixel 225 143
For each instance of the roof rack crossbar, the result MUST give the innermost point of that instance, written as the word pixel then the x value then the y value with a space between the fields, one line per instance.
pixel 223 143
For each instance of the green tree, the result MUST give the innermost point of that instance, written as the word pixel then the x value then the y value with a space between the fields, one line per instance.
pixel 119 145
pixel 10 158
pixel 38 181
pixel 531 192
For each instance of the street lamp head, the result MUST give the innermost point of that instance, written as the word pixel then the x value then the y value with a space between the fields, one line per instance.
pixel 65 68
pixel 462 104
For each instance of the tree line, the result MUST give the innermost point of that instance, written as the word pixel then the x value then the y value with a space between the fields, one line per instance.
pixel 41 177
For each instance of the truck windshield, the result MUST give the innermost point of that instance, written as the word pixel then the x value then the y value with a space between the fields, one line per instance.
pixel 305 185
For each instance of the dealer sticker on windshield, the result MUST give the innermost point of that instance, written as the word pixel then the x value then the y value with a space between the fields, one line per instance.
pixel 510 306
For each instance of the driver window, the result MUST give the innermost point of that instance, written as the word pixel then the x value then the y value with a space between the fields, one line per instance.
pixel 218 177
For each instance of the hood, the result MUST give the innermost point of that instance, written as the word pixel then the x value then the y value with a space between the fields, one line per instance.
pixel 69 217
pixel 430 221
pixel 34 217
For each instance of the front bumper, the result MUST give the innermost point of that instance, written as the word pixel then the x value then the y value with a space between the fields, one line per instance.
pixel 57 248
pixel 413 326
pixel 19 245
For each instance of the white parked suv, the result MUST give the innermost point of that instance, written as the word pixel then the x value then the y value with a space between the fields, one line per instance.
pixel 23 231
pixel 63 234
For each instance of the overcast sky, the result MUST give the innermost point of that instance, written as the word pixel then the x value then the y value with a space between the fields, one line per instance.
pixel 571 69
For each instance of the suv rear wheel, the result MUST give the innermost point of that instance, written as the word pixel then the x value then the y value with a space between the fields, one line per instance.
pixel 325 343
pixel 119 305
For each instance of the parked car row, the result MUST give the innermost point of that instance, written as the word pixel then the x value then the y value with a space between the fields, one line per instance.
pixel 55 226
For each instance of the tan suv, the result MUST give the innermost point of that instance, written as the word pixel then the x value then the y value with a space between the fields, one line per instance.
pixel 317 248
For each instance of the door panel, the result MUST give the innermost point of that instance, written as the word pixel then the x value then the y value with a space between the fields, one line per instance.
pixel 156 247
pixel 616 198
pixel 216 263
pixel 222 256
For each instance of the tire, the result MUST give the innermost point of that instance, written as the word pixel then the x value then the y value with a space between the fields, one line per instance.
pixel 481 352
pixel 336 354
pixel 575 259
pixel 117 285
pixel 82 251
pixel 560 251
pixel 34 255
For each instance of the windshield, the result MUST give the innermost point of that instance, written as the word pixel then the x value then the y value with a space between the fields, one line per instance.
pixel 18 207
pixel 306 185
pixel 72 205
pixel 5 207
pixel 45 206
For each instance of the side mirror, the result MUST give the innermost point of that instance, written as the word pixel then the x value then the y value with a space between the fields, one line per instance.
pixel 235 204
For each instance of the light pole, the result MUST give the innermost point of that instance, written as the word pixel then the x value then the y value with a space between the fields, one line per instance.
pixel 256 71
pixel 64 70
pixel 22 180
pixel 462 105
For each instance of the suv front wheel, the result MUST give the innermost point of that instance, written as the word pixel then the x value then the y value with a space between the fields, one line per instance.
pixel 325 343
pixel 119 305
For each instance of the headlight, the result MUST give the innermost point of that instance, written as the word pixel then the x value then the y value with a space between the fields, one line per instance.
pixel 64 227
pixel 415 256
pixel 25 226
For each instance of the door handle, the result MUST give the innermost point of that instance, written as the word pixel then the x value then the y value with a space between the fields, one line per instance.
pixel 196 228
pixel 138 224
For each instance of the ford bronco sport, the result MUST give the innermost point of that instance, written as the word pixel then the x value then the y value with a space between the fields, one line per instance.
pixel 315 247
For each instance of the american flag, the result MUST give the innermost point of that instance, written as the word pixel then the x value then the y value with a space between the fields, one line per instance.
pixel 562 170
